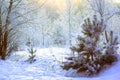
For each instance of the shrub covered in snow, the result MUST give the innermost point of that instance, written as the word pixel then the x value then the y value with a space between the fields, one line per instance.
pixel 91 56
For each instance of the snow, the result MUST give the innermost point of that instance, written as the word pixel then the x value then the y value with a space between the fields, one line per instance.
pixel 47 67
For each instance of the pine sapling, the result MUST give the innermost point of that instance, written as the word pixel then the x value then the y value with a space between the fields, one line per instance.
pixel 91 58
pixel 32 55
pixel 110 47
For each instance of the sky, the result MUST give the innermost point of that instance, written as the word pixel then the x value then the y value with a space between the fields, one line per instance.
pixel 116 1
pixel 61 4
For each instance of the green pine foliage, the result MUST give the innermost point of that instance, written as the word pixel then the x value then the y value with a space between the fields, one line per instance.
pixel 91 58
pixel 110 48
pixel 32 55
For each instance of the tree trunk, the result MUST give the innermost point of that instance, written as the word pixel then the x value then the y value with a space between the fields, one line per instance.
pixel 69 21
pixel 0 30
pixel 4 34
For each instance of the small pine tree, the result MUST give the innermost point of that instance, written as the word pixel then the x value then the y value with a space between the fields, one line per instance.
pixel 110 47
pixel 89 55
pixel 32 55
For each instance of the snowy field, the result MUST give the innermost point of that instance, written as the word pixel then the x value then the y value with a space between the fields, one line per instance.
pixel 47 67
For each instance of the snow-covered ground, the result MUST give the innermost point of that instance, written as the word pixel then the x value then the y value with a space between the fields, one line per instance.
pixel 47 67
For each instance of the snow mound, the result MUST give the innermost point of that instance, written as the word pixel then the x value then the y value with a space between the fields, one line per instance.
pixel 47 67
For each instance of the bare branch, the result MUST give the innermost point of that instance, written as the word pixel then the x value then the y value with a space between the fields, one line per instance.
pixel 15 6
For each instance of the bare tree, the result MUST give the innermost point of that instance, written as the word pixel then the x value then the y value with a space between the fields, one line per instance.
pixel 12 15
pixel 103 8
pixel 69 21
pixel 4 31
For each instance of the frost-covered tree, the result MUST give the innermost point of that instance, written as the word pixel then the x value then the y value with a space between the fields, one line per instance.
pixel 58 36
pixel 80 8
pixel 30 29
pixel 10 19
pixel 72 16
pixel 104 9
pixel 69 21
